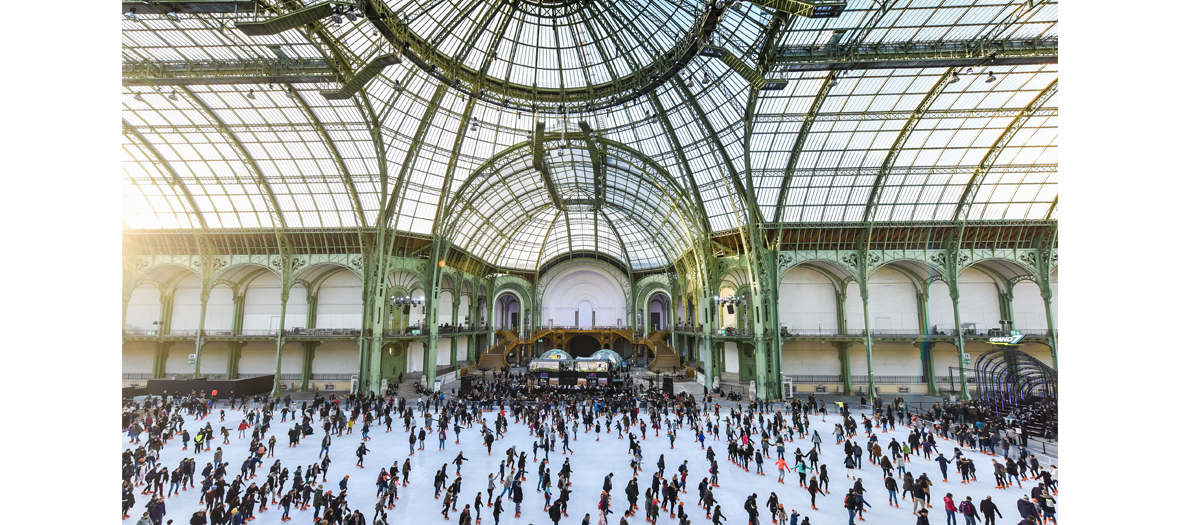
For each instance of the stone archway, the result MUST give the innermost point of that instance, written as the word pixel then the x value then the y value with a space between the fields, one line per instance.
pixel 583 345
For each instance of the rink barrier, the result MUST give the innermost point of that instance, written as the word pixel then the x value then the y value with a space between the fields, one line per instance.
pixel 237 387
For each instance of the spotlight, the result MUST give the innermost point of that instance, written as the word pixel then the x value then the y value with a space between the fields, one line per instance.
pixel 172 96
pixel 250 95
pixel 350 16
pixel 954 77
pixel 990 77
pixel 173 15
pixel 337 20
pixel 138 97
pixel 834 83
pixel 969 70
pixel 130 14
pixel 689 83
pixel 291 93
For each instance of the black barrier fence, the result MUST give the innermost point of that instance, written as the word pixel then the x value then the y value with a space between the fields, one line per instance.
pixel 224 388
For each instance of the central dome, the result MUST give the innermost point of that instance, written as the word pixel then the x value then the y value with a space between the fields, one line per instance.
pixel 553 53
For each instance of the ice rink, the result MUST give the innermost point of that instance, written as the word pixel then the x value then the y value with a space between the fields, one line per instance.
pixel 590 462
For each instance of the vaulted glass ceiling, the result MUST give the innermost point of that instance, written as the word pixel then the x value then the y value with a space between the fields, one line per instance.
pixel 226 130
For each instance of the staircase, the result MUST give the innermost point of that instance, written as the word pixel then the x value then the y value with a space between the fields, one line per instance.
pixel 666 358
pixel 496 356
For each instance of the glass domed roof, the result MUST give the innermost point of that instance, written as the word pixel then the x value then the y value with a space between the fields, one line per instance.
pixel 896 112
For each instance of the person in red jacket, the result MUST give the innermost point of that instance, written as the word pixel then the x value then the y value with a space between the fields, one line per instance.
pixel 951 509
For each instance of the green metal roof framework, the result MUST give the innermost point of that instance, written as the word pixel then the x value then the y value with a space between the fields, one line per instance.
pixel 860 121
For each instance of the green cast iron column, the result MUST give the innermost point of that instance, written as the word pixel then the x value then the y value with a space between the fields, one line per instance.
pixel 964 395
pixel 864 297
pixel 842 328
pixel 305 370
pixel 925 345
pixel 279 344
pixel 1047 296
pixel 200 333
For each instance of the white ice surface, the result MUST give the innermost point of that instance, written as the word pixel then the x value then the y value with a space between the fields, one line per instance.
pixel 590 463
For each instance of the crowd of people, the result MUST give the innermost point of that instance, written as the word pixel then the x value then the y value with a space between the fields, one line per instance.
pixel 553 419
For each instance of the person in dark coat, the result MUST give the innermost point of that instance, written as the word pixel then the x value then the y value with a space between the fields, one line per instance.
pixel 989 510
pixel 1028 509
pixel 517 496
pixel 923 517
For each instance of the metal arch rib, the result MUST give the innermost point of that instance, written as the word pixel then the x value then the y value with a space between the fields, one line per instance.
pixel 680 159
pixel 704 120
pixel 611 225
pixel 237 145
pixel 176 181
pixel 460 136
pixel 984 41
pixel 366 108
pixel 356 201
pixel 964 207
pixel 800 140
pixel 393 206
pixel 1051 208
pixel 902 137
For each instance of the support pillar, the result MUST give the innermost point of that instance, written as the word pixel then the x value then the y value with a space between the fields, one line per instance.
pixel 1047 296
pixel 430 358
pixel 164 327
pixel 279 344
pixel 864 297
pixel 305 371
pixel 234 359
pixel 964 395
pixel 160 358
pixel 200 333
pixel 925 345
pixel 845 366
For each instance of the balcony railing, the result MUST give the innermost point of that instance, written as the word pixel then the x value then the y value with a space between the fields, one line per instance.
pixel 263 332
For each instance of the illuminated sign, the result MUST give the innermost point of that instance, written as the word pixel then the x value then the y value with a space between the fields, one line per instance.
pixel 1013 338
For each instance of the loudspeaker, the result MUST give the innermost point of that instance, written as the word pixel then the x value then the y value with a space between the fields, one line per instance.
pixel 465 385
pixel 668 385
pixel 406 310
pixel 729 307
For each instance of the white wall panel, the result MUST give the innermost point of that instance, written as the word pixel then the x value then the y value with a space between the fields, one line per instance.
pixel 460 348
pixel 896 359
pixel 263 304
pixel 186 304
pixel 444 351
pixel 446 301
pixel 732 362
pixel 415 356
pixel 893 302
pixel 979 300
pixel 334 357
pixel 1028 309
pixel 258 357
pixel 138 357
pixel 810 358
pixel 807 300
pixel 219 311
pixel 214 358
pixel 144 308
pixel 339 302
pixel 178 358
pixel 578 283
